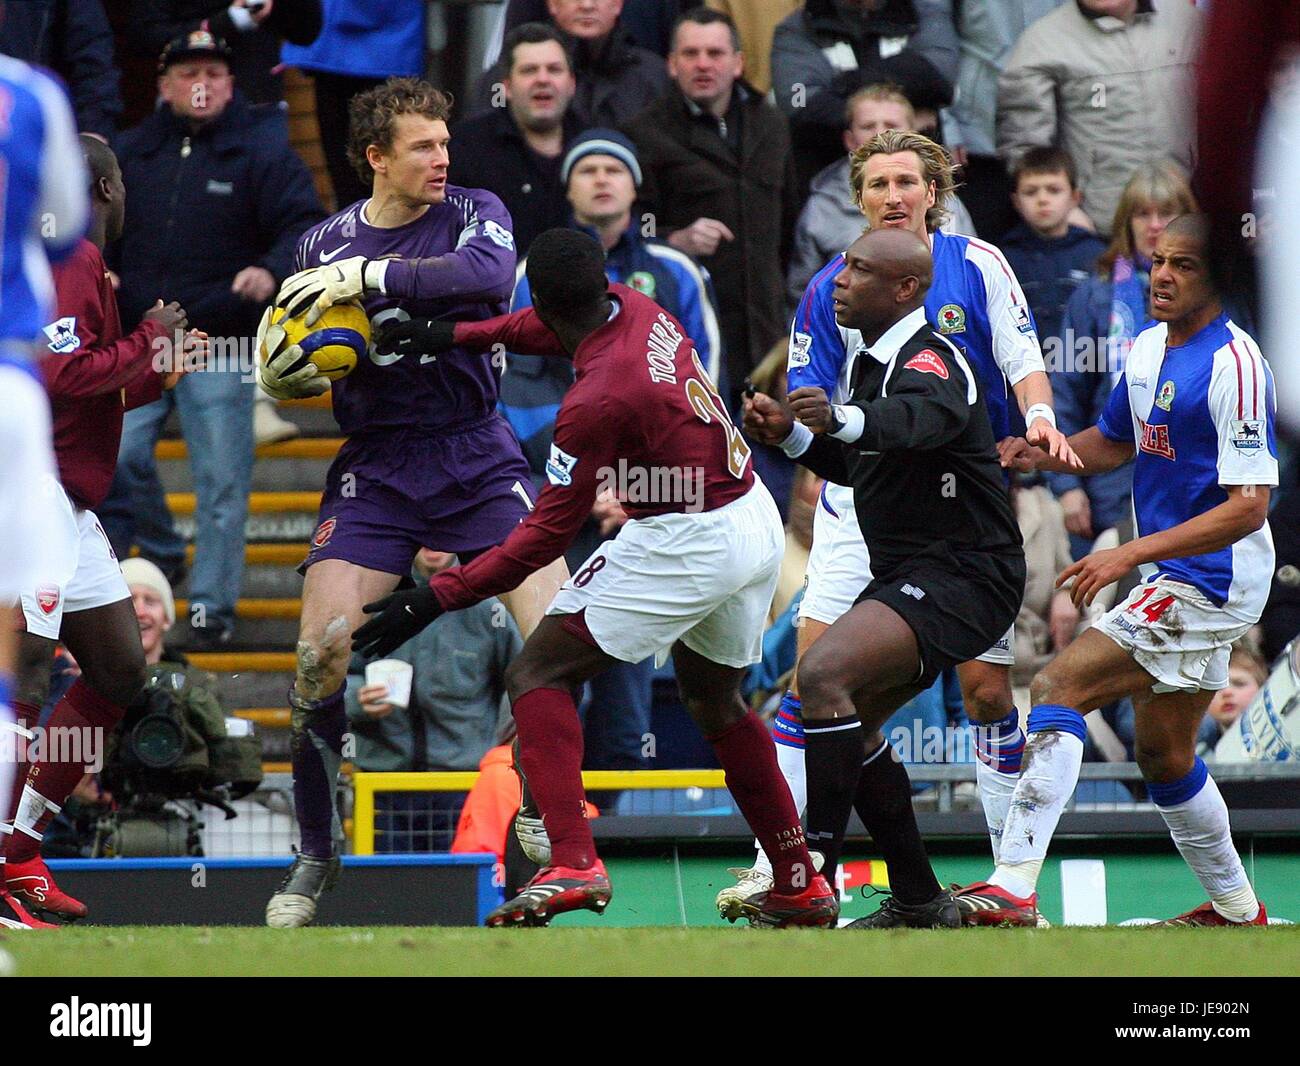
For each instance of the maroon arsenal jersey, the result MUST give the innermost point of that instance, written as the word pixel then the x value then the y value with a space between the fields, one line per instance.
pixel 641 418
pixel 93 374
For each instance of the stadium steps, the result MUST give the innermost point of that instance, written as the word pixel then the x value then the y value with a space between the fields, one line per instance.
pixel 263 503
pixel 269 623
pixel 255 674
pixel 304 461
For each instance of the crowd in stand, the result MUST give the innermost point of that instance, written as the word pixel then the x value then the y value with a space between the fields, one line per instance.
pixel 710 156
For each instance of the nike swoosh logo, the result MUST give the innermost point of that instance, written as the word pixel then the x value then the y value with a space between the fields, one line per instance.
pixel 326 257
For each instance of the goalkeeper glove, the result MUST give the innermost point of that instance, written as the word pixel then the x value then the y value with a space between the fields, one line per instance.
pixel 398 617
pixel 285 373
pixel 318 288
pixel 422 335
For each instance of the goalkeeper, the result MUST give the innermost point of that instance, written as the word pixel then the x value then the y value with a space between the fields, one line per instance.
pixel 428 461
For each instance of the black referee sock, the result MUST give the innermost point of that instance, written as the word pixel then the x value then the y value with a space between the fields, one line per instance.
pixel 832 758
pixel 884 803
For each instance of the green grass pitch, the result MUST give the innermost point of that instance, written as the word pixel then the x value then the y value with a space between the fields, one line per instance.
pixel 394 951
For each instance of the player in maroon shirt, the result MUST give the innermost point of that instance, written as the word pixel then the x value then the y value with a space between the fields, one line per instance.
pixel 693 570
pixel 92 374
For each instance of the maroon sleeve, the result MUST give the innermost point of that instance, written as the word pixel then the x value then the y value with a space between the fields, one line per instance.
pixel 148 388
pixel 124 364
pixel 104 363
pixel 584 446
pixel 520 331
pixel 1241 45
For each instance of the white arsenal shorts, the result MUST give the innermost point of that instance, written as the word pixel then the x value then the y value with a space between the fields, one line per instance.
pixel 89 577
pixel 33 526
pixel 705 579
pixel 839 567
pixel 1175 634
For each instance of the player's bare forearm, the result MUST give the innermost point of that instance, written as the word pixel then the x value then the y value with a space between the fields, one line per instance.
pixel 1034 395
pixel 1096 451
pixel 1033 388
pixel 1242 513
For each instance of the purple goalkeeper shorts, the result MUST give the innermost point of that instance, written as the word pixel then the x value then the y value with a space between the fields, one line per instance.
pixel 389 495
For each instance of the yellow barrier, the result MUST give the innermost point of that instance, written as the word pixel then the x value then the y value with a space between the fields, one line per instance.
pixel 364 787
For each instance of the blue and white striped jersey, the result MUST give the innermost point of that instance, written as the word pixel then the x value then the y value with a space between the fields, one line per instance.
pixel 44 196
pixel 1201 418
pixel 974 300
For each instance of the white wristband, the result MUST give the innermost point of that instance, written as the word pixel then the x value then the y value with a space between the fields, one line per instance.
pixel 1040 410
pixel 798 442
pixel 373 275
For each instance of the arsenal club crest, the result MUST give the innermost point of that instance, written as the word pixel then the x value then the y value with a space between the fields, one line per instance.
pixel 47 598
pixel 323 533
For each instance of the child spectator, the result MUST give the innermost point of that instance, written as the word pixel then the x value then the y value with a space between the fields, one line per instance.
pixel 1050 256
pixel 1246 674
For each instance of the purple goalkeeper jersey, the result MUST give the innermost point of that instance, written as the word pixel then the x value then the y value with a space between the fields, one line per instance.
pixel 456 261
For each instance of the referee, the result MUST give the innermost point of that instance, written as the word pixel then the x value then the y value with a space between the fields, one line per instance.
pixel 915 443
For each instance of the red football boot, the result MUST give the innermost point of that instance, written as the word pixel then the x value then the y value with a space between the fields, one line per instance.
pixel 553 891
pixel 816 905
pixel 985 904
pixel 1206 917
pixel 32 883
pixel 13 915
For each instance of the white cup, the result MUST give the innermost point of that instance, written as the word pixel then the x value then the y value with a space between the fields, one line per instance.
pixel 396 675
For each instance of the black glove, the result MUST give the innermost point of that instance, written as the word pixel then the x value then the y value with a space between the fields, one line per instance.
pixel 400 616
pixel 421 335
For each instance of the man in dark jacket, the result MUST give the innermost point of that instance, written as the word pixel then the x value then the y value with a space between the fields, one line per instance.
pixel 218 201
pixel 72 38
pixel 254 34
pixel 719 184
pixel 614 76
pixel 515 151
pixel 825 52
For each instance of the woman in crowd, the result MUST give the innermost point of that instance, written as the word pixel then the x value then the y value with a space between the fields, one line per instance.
pixel 1101 320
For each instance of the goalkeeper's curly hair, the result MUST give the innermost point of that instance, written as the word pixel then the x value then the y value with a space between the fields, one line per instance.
pixel 936 167
pixel 372 116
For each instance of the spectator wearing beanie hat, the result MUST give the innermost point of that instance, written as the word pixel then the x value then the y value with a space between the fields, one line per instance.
pixel 601 174
pixel 155 606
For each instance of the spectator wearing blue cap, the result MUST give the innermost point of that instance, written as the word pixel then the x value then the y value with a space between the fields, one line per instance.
pixel 601 174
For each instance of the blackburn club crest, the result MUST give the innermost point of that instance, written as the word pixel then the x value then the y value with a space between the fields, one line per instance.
pixel 952 319
pixel 643 281
pixel 1165 397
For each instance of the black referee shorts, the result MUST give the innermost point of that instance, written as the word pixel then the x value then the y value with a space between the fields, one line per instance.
pixel 959 604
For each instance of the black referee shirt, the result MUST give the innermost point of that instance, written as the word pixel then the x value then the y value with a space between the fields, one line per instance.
pixel 918 450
